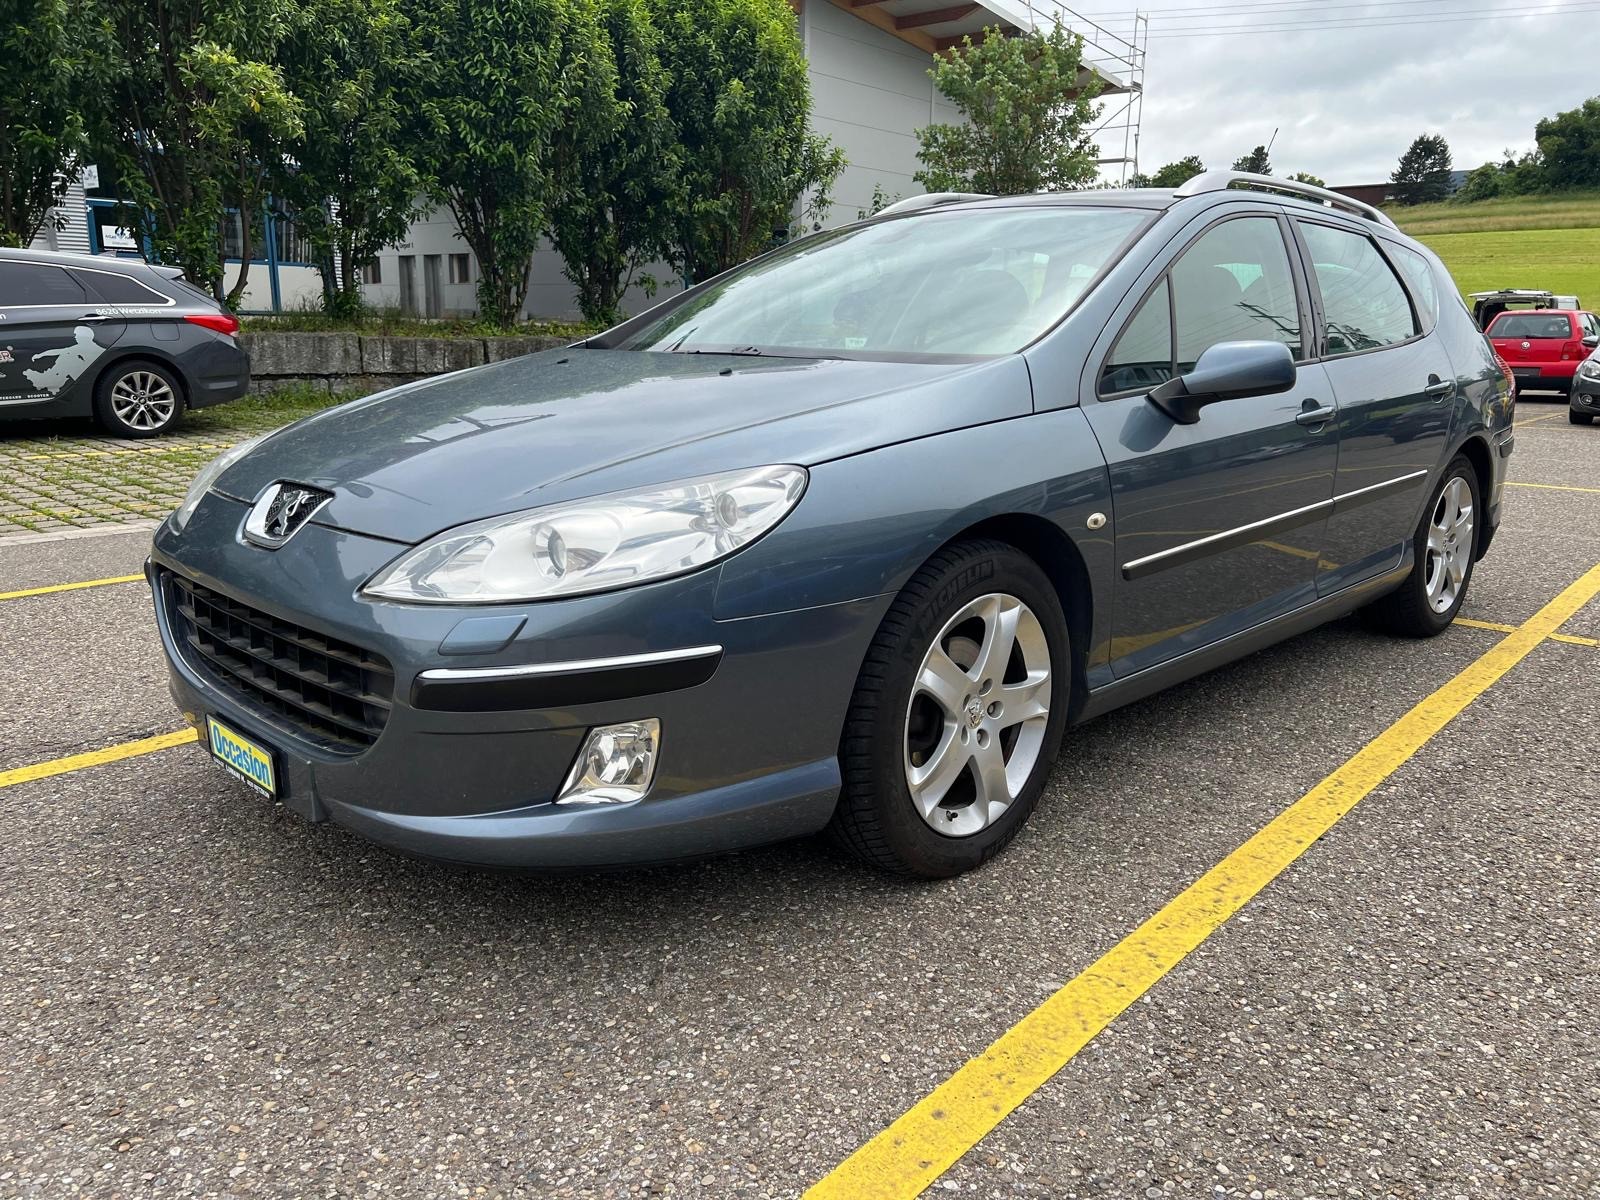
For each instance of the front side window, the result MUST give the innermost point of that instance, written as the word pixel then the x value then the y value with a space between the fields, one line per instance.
pixel 23 285
pixel 976 282
pixel 1364 307
pixel 1142 358
pixel 1234 285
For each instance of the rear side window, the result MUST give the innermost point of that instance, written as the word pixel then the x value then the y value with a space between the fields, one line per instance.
pixel 115 288
pixel 1532 325
pixel 1420 274
pixel 1363 304
pixel 23 285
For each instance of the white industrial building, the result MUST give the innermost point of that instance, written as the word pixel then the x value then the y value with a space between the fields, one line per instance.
pixel 868 64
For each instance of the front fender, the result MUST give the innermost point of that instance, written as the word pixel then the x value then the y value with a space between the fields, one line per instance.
pixel 868 522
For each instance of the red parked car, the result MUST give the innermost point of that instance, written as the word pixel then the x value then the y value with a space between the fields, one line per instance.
pixel 1544 347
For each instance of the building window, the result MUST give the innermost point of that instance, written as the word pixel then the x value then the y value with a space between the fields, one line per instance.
pixel 372 272
pixel 460 268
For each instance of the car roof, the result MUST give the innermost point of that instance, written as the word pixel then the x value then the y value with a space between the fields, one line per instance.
pixel 1219 186
pixel 69 258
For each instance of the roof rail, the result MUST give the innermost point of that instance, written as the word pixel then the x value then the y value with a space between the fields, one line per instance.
pixel 1221 181
pixel 930 200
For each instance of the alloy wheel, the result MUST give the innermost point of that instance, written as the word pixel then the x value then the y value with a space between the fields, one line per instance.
pixel 143 400
pixel 1450 544
pixel 979 709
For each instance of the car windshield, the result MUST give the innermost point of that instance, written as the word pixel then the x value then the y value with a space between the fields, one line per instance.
pixel 977 282
pixel 1532 325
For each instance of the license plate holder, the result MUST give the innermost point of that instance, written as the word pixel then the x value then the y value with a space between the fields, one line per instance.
pixel 243 757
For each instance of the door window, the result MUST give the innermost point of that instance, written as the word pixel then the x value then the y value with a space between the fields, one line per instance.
pixel 123 289
pixel 1142 357
pixel 26 284
pixel 1420 274
pixel 1364 307
pixel 1234 284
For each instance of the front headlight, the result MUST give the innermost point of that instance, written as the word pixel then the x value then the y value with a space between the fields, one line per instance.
pixel 1589 368
pixel 597 544
pixel 207 476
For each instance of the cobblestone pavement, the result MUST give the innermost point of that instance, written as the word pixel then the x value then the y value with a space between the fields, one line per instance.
pixel 62 475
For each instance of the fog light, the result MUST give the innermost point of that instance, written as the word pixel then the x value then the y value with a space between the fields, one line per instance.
pixel 617 765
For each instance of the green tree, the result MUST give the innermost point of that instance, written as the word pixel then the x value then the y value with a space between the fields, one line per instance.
pixel 486 109
pixel 740 102
pixel 617 170
pixel 1176 174
pixel 192 116
pixel 1027 110
pixel 350 175
pixel 1569 147
pixel 41 128
pixel 1423 176
pixel 1485 183
pixel 1256 162
pixel 1308 177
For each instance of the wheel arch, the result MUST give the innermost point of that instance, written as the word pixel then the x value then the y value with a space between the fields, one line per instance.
pixel 118 356
pixel 1476 451
pixel 1048 545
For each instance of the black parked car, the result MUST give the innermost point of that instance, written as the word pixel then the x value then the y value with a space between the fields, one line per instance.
pixel 131 344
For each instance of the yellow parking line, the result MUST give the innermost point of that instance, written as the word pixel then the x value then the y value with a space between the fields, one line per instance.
pixel 1534 420
pixel 70 587
pixel 1571 639
pixel 929 1138
pixel 1552 487
pixel 96 758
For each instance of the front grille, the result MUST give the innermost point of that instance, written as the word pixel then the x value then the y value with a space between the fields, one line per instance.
pixel 333 694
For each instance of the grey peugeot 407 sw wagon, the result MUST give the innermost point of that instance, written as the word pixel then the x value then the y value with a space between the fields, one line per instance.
pixel 130 344
pixel 844 538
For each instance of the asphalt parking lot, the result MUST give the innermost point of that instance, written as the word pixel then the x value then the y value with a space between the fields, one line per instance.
pixel 202 995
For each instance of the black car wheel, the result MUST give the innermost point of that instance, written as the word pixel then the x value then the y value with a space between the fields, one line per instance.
pixel 1445 545
pixel 1578 418
pixel 957 714
pixel 138 399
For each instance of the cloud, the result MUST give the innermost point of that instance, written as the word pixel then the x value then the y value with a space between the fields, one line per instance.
pixel 1347 102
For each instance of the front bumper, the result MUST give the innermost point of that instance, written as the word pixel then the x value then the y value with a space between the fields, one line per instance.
pixel 1585 396
pixel 748 753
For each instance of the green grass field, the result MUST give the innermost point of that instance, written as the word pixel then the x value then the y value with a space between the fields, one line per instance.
pixel 1550 242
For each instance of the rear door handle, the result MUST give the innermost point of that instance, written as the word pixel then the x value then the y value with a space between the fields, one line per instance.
pixel 1439 388
pixel 1314 416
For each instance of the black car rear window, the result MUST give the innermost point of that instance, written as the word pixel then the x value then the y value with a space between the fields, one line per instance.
pixel 25 284
pixel 1532 325
pixel 116 288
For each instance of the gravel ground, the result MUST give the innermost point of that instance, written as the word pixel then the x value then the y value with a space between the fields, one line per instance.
pixel 200 995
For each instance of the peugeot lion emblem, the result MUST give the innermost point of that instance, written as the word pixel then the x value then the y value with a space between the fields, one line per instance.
pixel 281 512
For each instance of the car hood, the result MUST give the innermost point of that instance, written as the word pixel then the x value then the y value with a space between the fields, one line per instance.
pixel 410 462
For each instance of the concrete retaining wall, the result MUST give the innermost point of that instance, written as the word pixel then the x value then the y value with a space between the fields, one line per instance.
pixel 353 362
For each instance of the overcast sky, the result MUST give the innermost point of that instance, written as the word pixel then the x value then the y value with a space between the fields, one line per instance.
pixel 1347 101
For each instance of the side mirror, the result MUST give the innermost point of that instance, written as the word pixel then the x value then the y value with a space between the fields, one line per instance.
pixel 1227 371
pixel 1592 340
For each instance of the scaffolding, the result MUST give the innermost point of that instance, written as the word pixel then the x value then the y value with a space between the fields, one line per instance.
pixel 1118 59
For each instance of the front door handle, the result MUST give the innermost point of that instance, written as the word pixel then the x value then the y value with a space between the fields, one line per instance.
pixel 1314 416
pixel 1439 388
